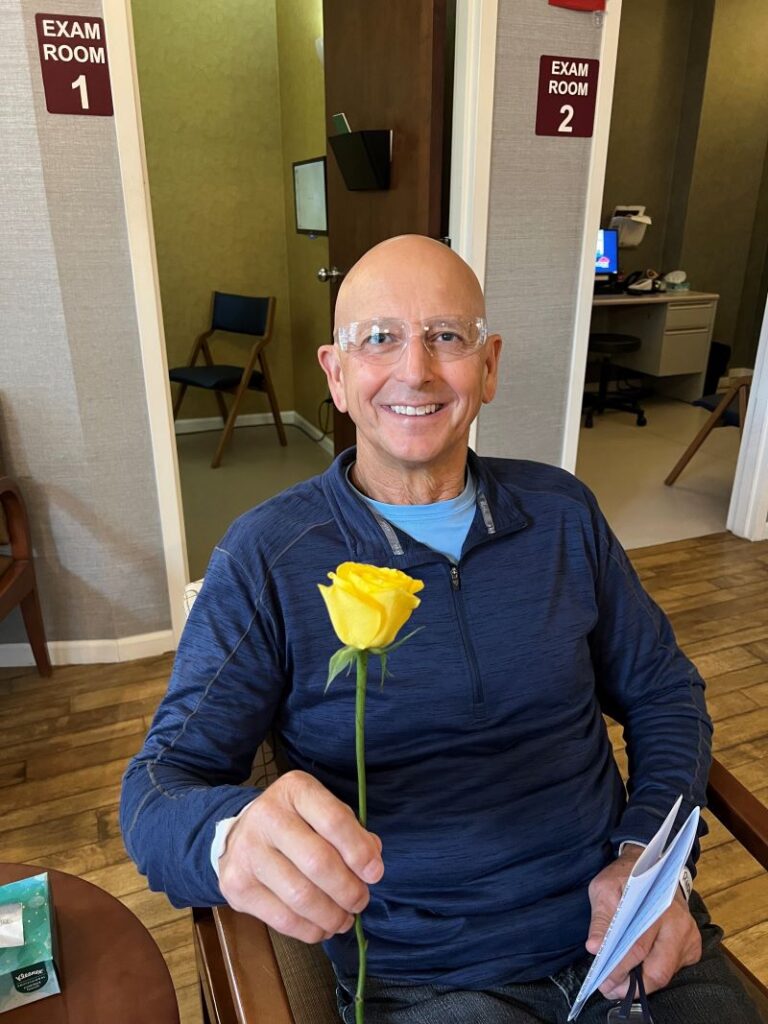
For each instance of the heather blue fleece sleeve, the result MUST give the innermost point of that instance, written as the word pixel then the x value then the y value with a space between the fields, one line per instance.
pixel 647 684
pixel 226 683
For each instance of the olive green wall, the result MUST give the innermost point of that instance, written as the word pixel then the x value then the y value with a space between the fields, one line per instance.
pixel 647 103
pixel 302 104
pixel 210 98
pixel 689 136
pixel 725 193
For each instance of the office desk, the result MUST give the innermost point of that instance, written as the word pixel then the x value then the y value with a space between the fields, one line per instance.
pixel 675 329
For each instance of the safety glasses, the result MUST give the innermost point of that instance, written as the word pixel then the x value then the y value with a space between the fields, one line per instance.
pixel 382 339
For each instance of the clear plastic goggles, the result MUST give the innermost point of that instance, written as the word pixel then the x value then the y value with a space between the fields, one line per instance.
pixel 382 339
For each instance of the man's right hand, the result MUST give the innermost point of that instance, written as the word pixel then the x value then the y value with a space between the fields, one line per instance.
pixel 299 860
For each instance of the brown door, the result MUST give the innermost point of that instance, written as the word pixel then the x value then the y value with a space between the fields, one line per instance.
pixel 388 65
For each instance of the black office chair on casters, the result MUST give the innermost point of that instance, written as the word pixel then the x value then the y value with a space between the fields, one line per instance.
pixel 625 399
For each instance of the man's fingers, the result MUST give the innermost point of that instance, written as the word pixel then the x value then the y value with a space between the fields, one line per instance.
pixel 300 894
pixel 671 951
pixel 603 908
pixel 617 979
pixel 317 861
pixel 258 901
pixel 335 821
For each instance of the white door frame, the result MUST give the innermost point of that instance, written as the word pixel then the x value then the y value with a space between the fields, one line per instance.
pixel 748 510
pixel 471 135
pixel 118 26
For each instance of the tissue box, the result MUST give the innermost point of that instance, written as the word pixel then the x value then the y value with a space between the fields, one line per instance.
pixel 27 943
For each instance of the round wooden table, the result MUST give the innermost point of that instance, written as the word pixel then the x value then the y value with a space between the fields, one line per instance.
pixel 111 969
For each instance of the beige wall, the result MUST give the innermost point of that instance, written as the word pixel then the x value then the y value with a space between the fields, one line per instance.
pixel 302 105
pixel 74 427
pixel 535 226
pixel 210 101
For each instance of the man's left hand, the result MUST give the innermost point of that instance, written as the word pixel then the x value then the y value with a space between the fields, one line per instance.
pixel 672 942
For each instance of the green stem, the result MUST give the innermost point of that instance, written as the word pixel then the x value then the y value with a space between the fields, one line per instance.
pixel 362 676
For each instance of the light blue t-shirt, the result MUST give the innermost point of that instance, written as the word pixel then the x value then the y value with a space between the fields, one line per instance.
pixel 442 526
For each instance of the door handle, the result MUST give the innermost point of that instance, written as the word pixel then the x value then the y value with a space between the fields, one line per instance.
pixel 333 274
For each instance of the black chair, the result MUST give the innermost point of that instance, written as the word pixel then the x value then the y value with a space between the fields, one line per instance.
pixel 235 314
pixel 625 399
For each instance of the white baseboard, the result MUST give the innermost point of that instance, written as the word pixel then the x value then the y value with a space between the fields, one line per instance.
pixel 91 652
pixel 255 419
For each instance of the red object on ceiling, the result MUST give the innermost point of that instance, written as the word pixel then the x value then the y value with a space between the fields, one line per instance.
pixel 579 5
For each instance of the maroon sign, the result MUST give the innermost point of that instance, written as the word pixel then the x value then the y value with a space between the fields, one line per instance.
pixel 579 5
pixel 73 58
pixel 567 96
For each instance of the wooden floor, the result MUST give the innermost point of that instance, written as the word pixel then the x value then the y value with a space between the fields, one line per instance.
pixel 72 735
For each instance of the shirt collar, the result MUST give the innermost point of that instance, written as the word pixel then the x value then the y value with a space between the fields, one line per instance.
pixel 371 539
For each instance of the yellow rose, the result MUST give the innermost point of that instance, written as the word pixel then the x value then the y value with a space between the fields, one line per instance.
pixel 368 605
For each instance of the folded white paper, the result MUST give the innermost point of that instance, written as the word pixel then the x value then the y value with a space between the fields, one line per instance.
pixel 11 926
pixel 648 893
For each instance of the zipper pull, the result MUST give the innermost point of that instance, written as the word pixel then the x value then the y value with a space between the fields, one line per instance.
pixel 455 578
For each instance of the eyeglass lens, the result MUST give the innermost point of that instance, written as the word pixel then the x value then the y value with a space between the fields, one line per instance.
pixel 383 339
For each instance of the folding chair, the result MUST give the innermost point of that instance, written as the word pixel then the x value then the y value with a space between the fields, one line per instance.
pixel 721 414
pixel 236 314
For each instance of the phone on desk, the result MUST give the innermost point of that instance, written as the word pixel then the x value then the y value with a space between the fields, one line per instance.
pixel 644 282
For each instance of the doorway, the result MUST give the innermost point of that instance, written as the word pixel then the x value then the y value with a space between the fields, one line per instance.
pixel 226 114
pixel 678 148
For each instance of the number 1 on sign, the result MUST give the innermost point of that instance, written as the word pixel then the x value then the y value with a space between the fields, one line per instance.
pixel 565 124
pixel 81 84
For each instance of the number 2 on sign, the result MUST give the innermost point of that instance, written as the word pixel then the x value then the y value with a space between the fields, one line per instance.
pixel 565 124
pixel 81 84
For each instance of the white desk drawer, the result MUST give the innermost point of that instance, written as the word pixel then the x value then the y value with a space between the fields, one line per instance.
pixel 690 315
pixel 684 352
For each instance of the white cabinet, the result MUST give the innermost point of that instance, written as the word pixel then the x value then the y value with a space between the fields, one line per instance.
pixel 675 331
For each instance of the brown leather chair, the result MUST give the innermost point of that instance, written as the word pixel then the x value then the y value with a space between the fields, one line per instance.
pixel 249 973
pixel 18 585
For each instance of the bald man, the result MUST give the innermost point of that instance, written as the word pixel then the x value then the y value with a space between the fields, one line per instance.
pixel 500 832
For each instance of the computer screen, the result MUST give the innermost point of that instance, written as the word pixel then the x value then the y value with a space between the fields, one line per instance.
pixel 607 256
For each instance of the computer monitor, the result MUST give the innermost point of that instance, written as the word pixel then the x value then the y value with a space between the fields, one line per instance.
pixel 607 255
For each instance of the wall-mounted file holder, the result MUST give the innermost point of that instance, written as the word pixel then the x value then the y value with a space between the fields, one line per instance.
pixel 363 158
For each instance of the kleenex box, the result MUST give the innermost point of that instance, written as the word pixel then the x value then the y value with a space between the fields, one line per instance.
pixel 27 943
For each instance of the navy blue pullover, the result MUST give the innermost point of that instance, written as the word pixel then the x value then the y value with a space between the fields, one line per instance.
pixel 491 779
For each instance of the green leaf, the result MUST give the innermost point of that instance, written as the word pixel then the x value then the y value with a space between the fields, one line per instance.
pixel 384 673
pixel 399 643
pixel 342 659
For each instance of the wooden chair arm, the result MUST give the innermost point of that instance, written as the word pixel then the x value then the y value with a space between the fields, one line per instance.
pixel 16 519
pixel 745 817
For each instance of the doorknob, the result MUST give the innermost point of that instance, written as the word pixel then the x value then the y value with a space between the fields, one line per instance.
pixel 333 274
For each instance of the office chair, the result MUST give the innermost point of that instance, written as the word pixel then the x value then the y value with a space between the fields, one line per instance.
pixel 626 400
pixel 235 314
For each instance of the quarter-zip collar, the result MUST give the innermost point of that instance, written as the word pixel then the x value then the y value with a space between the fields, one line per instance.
pixel 372 539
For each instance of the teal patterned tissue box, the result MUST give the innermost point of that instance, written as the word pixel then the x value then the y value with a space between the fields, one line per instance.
pixel 27 943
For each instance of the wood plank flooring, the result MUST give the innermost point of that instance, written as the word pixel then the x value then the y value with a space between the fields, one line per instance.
pixel 70 738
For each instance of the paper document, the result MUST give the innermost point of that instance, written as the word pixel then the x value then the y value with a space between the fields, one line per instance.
pixel 649 891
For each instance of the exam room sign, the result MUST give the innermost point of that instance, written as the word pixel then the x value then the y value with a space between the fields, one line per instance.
pixel 567 96
pixel 73 59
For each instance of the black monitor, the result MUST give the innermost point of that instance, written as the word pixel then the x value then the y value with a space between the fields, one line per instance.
pixel 607 256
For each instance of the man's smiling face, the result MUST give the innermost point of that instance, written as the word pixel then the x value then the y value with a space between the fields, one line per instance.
pixel 417 411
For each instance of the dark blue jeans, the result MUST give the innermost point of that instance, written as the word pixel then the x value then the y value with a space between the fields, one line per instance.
pixel 707 993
